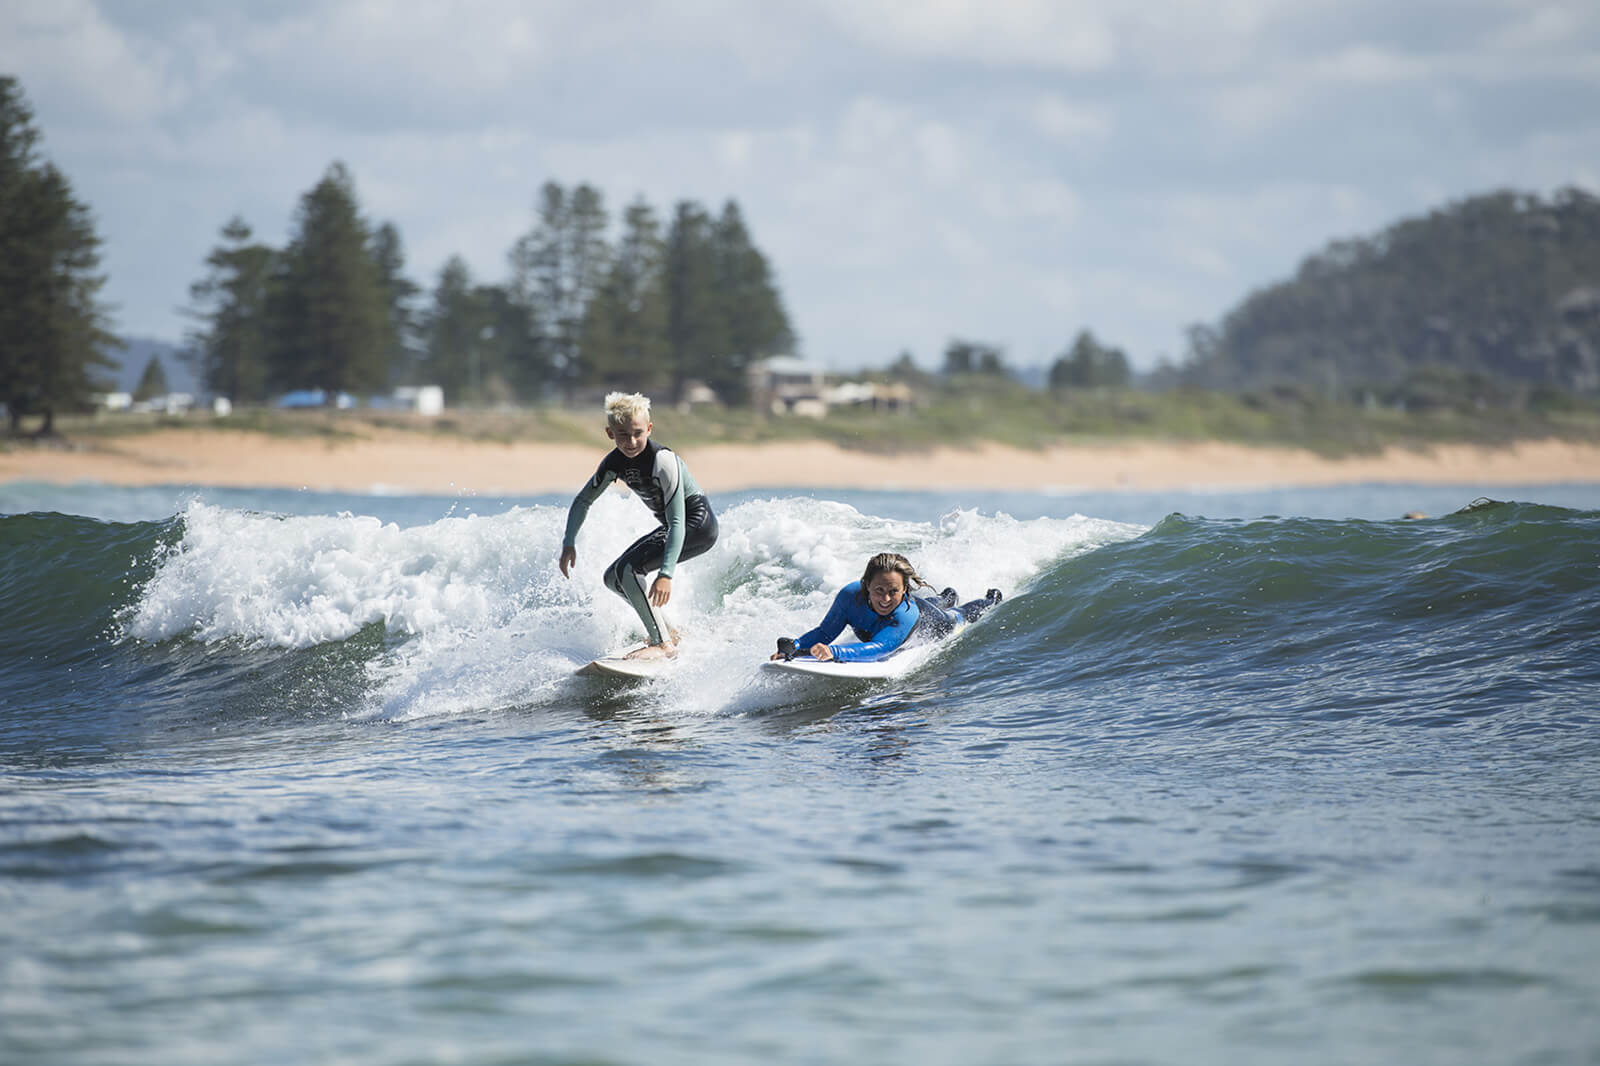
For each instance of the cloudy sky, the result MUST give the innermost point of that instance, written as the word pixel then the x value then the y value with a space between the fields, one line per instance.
pixel 1009 171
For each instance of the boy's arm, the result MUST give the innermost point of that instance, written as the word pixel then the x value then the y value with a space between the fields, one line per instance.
pixel 581 503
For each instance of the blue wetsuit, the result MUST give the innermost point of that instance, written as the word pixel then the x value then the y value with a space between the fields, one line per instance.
pixel 880 637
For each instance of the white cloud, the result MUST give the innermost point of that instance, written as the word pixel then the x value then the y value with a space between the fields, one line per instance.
pixel 1369 65
pixel 1550 26
pixel 66 47
pixel 422 48
pixel 1052 34
pixel 1063 120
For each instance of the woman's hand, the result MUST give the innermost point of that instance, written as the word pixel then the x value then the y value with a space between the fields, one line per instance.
pixel 819 652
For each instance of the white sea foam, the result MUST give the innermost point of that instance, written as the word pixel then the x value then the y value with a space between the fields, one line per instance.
pixel 477 615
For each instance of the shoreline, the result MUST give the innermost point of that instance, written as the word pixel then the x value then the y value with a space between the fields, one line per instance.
pixel 390 461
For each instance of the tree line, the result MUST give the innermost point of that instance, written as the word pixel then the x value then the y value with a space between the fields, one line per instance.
pixel 667 302
pixel 663 305
pixel 1496 289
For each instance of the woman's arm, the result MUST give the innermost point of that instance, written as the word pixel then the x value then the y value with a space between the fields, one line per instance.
pixel 833 622
pixel 884 641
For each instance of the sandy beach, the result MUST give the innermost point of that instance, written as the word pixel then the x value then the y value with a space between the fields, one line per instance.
pixel 396 461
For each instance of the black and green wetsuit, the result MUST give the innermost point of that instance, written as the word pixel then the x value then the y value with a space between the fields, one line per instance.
pixel 688 527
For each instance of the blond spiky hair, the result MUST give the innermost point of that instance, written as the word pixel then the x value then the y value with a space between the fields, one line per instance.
pixel 622 407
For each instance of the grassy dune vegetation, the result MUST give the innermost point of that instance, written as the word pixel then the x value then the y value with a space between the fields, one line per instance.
pixel 978 409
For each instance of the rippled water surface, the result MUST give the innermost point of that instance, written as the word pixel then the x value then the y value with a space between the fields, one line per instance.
pixel 294 779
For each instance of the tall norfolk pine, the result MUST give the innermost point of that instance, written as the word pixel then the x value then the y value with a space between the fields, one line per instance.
pixel 651 311
pixel 556 269
pixel 53 327
pixel 755 322
pixel 398 293
pixel 330 310
pixel 625 327
pixel 230 348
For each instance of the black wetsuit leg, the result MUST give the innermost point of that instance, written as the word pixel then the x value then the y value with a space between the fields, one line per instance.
pixel 974 609
pixel 936 620
pixel 628 576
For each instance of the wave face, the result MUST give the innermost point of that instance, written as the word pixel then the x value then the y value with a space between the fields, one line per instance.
pixel 220 617
pixel 1201 631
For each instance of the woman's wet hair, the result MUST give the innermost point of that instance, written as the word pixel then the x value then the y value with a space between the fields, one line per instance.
pixel 886 562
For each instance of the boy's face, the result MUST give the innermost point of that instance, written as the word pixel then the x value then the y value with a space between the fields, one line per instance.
pixel 630 436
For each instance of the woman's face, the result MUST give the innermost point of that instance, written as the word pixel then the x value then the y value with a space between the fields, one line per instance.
pixel 885 591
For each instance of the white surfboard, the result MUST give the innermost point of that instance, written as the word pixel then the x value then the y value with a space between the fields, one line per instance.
pixel 619 665
pixel 896 665
pixel 805 666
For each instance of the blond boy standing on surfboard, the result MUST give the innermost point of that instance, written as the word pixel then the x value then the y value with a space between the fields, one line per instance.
pixel 660 479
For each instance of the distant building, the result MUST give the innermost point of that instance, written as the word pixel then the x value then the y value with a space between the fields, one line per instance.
pixel 786 385
pixel 697 394
pixel 173 403
pixel 426 400
pixel 877 395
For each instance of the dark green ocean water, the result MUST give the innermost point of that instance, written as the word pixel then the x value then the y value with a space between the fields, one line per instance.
pixel 1245 778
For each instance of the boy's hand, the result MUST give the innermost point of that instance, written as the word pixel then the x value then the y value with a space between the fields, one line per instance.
pixel 660 590
pixel 569 559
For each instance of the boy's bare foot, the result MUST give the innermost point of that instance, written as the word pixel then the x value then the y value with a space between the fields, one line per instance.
pixel 654 651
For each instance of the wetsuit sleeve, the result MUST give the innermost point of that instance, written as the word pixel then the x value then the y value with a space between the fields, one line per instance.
pixel 883 641
pixel 833 622
pixel 581 503
pixel 670 479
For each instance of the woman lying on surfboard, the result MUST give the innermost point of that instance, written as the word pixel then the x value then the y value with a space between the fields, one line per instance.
pixel 884 614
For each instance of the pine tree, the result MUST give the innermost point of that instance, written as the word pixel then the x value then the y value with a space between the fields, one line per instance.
pixel 230 349
pixel 398 294
pixel 452 332
pixel 53 328
pixel 625 327
pixel 557 268
pixel 973 357
pixel 755 323
pixel 331 323
pixel 697 329
pixel 152 382
pixel 1089 364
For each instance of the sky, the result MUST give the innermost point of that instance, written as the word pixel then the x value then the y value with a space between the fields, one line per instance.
pixel 1007 172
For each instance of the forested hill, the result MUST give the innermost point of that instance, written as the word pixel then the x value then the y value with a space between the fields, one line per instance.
pixel 1505 286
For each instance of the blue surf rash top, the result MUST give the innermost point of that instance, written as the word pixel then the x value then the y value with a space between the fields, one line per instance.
pixel 879 636
pixel 658 477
